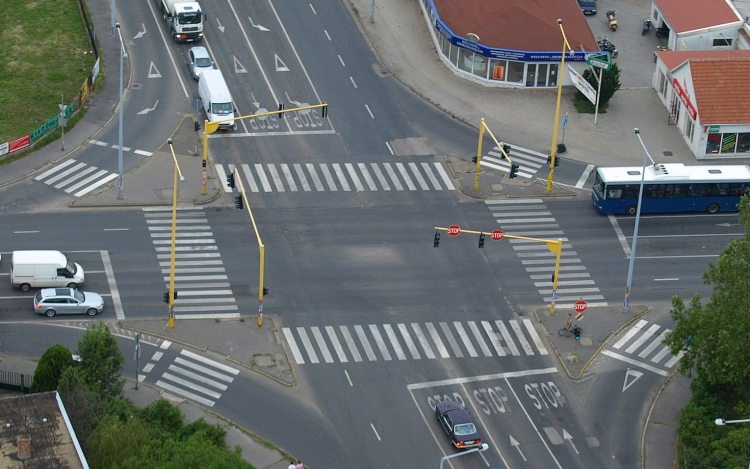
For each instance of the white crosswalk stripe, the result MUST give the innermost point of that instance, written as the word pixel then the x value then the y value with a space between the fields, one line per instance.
pixel 410 342
pixel 346 177
pixel 638 346
pixel 67 176
pixel 201 282
pixel 529 161
pixel 532 218
pixel 193 376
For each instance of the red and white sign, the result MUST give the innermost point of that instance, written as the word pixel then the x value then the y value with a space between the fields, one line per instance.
pixel 497 235
pixel 685 98
pixel 580 306
pixel 454 230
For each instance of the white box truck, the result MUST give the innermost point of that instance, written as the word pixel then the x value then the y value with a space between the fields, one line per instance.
pixel 217 102
pixel 43 269
pixel 184 19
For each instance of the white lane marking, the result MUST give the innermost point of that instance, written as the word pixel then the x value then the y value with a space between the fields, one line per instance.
pixel 465 339
pixel 431 177
pixel 97 142
pixel 405 175
pixel 64 173
pixel 314 175
pixel 376 432
pixel 148 368
pixel 342 178
pixel 313 9
pixel 677 257
pixel 392 175
pixel 418 176
pixel 288 177
pixel 119 312
pixel 475 379
pixel 634 362
pixel 480 339
pixel 348 378
pixel 203 369
pixel 436 339
pixel 422 340
pixel 301 176
pixel 157 355
pixel 143 152
pixel 350 343
pixel 329 177
pixel 584 176
pixel 633 331
pixel 336 344
pixel 307 344
pixel 380 342
pixel 249 177
pixel 670 363
pixel 535 337
pixel 662 353
pixel 75 177
pixel 342 61
pixel 394 341
pixel 276 177
pixel 521 338
pixel 188 394
pixel 643 338
pixel 293 345
pixel 197 377
pixel 368 179
pixel 98 183
pixel 494 339
pixel 263 179
pixel 353 83
pixel 208 361
pixel 165 345
pixel 329 37
pixel 389 148
pixel 620 235
pixel 355 179
pixel 365 343
pixel 654 343
pixel 369 111
pixel 444 176
pixel 381 178
pixel 508 340
pixel 451 340
pixel 409 342
pixel 322 344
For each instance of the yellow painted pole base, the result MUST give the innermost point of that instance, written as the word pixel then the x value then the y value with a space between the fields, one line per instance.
pixel 260 320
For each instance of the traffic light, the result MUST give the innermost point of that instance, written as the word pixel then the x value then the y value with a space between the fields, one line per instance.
pixel 481 240
pixel 436 243
pixel 166 297
pixel 513 170
pixel 506 149
pixel 230 180
pixel 577 332
pixel 325 110
pixel 281 109
pixel 265 291
pixel 553 278
pixel 473 159
pixel 238 202
pixel 557 161
pixel 549 159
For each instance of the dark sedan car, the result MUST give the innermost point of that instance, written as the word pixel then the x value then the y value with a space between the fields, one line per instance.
pixel 588 7
pixel 458 425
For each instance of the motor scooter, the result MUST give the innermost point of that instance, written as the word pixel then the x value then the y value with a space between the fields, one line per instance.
pixel 611 20
pixel 607 46
pixel 662 32
pixel 646 27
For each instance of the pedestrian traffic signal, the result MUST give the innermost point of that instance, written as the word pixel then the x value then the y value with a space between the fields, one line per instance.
pixel 166 297
pixel 325 110
pixel 481 240
pixel 281 110
pixel 473 159
pixel 506 149
pixel 549 159
pixel 265 291
pixel 557 161
pixel 436 243
pixel 513 170
pixel 553 278
pixel 577 332
pixel 238 202
pixel 230 180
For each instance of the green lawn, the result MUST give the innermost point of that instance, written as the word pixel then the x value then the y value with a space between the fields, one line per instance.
pixel 44 55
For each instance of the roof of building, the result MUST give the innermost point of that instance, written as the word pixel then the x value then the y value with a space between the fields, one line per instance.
pixel 525 25
pixel 689 15
pixel 40 420
pixel 719 83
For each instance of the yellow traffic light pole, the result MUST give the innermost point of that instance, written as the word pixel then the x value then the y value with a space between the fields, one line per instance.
pixel 560 75
pixel 170 300
pixel 552 246
pixel 210 127
pixel 482 128
pixel 261 247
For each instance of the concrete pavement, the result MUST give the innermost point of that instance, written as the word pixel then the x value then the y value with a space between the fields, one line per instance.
pixel 521 117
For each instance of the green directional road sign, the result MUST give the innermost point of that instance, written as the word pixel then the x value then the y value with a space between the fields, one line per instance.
pixel 599 61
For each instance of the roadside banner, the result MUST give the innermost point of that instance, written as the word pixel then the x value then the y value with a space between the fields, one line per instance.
pixel 18 144
pixel 582 85
pixel 3 148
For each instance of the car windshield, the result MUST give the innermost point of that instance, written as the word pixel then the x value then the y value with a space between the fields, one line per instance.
pixel 465 429
pixel 222 108
pixel 202 62
pixel 71 268
pixel 78 294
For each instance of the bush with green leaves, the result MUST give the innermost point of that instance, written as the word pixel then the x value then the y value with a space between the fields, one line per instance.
pixel 610 84
pixel 53 363
pixel 102 361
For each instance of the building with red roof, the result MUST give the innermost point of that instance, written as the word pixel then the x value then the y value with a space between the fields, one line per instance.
pixel 697 24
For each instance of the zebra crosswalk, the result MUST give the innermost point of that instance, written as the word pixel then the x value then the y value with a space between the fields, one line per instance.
pixel 531 217
pixel 75 178
pixel 201 282
pixel 345 177
pixel 645 348
pixel 191 375
pixel 529 161
pixel 403 341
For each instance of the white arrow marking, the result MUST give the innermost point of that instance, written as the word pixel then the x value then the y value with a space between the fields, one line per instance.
pixel 296 103
pixel 630 373
pixel 149 109
pixel 153 72
pixel 141 33
pixel 567 436
pixel 280 65
pixel 238 68
pixel 515 443
pixel 221 28
pixel 727 225
pixel 255 101
pixel 262 28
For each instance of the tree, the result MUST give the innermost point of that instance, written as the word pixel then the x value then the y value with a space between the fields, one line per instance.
pixel 82 405
pixel 610 84
pixel 53 363
pixel 115 441
pixel 101 361
pixel 714 336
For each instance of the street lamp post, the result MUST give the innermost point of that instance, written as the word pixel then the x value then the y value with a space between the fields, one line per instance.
pixel 484 447
pixel 170 324
pixel 722 422
pixel 560 76
pixel 626 302
pixel 123 54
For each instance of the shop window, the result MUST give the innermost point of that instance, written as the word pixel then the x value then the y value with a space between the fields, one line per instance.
pixel 743 142
pixel 515 71
pixel 662 84
pixel 552 75
pixel 712 143
pixel 454 55
pixel 728 143
pixel 480 66
pixel 445 45
pixel 722 42
pixel 497 68
pixel 689 128
pixel 541 77
pixel 530 74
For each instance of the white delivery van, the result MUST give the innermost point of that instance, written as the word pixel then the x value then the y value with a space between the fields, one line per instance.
pixel 43 269
pixel 217 102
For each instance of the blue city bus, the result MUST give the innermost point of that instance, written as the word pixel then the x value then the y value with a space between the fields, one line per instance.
pixel 670 188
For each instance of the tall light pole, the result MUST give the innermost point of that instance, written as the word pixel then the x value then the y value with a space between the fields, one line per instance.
pixel 171 293
pixel 626 303
pixel 722 422
pixel 123 54
pixel 560 76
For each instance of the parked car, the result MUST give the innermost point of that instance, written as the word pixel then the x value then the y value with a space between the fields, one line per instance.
pixel 457 424
pixel 588 7
pixel 199 60
pixel 52 301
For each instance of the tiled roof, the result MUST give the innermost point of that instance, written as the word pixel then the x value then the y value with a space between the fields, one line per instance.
pixel 722 94
pixel 689 15
pixel 526 25
pixel 673 59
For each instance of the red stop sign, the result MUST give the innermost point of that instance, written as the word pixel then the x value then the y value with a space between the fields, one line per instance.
pixel 497 235
pixel 580 306
pixel 454 230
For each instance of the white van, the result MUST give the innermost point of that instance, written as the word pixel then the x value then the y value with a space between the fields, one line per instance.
pixel 217 102
pixel 43 269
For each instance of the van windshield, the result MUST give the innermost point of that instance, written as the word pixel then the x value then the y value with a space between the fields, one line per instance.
pixel 222 108
pixel 71 268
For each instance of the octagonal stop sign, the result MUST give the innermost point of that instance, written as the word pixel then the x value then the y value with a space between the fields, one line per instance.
pixel 454 230
pixel 497 235
pixel 580 306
